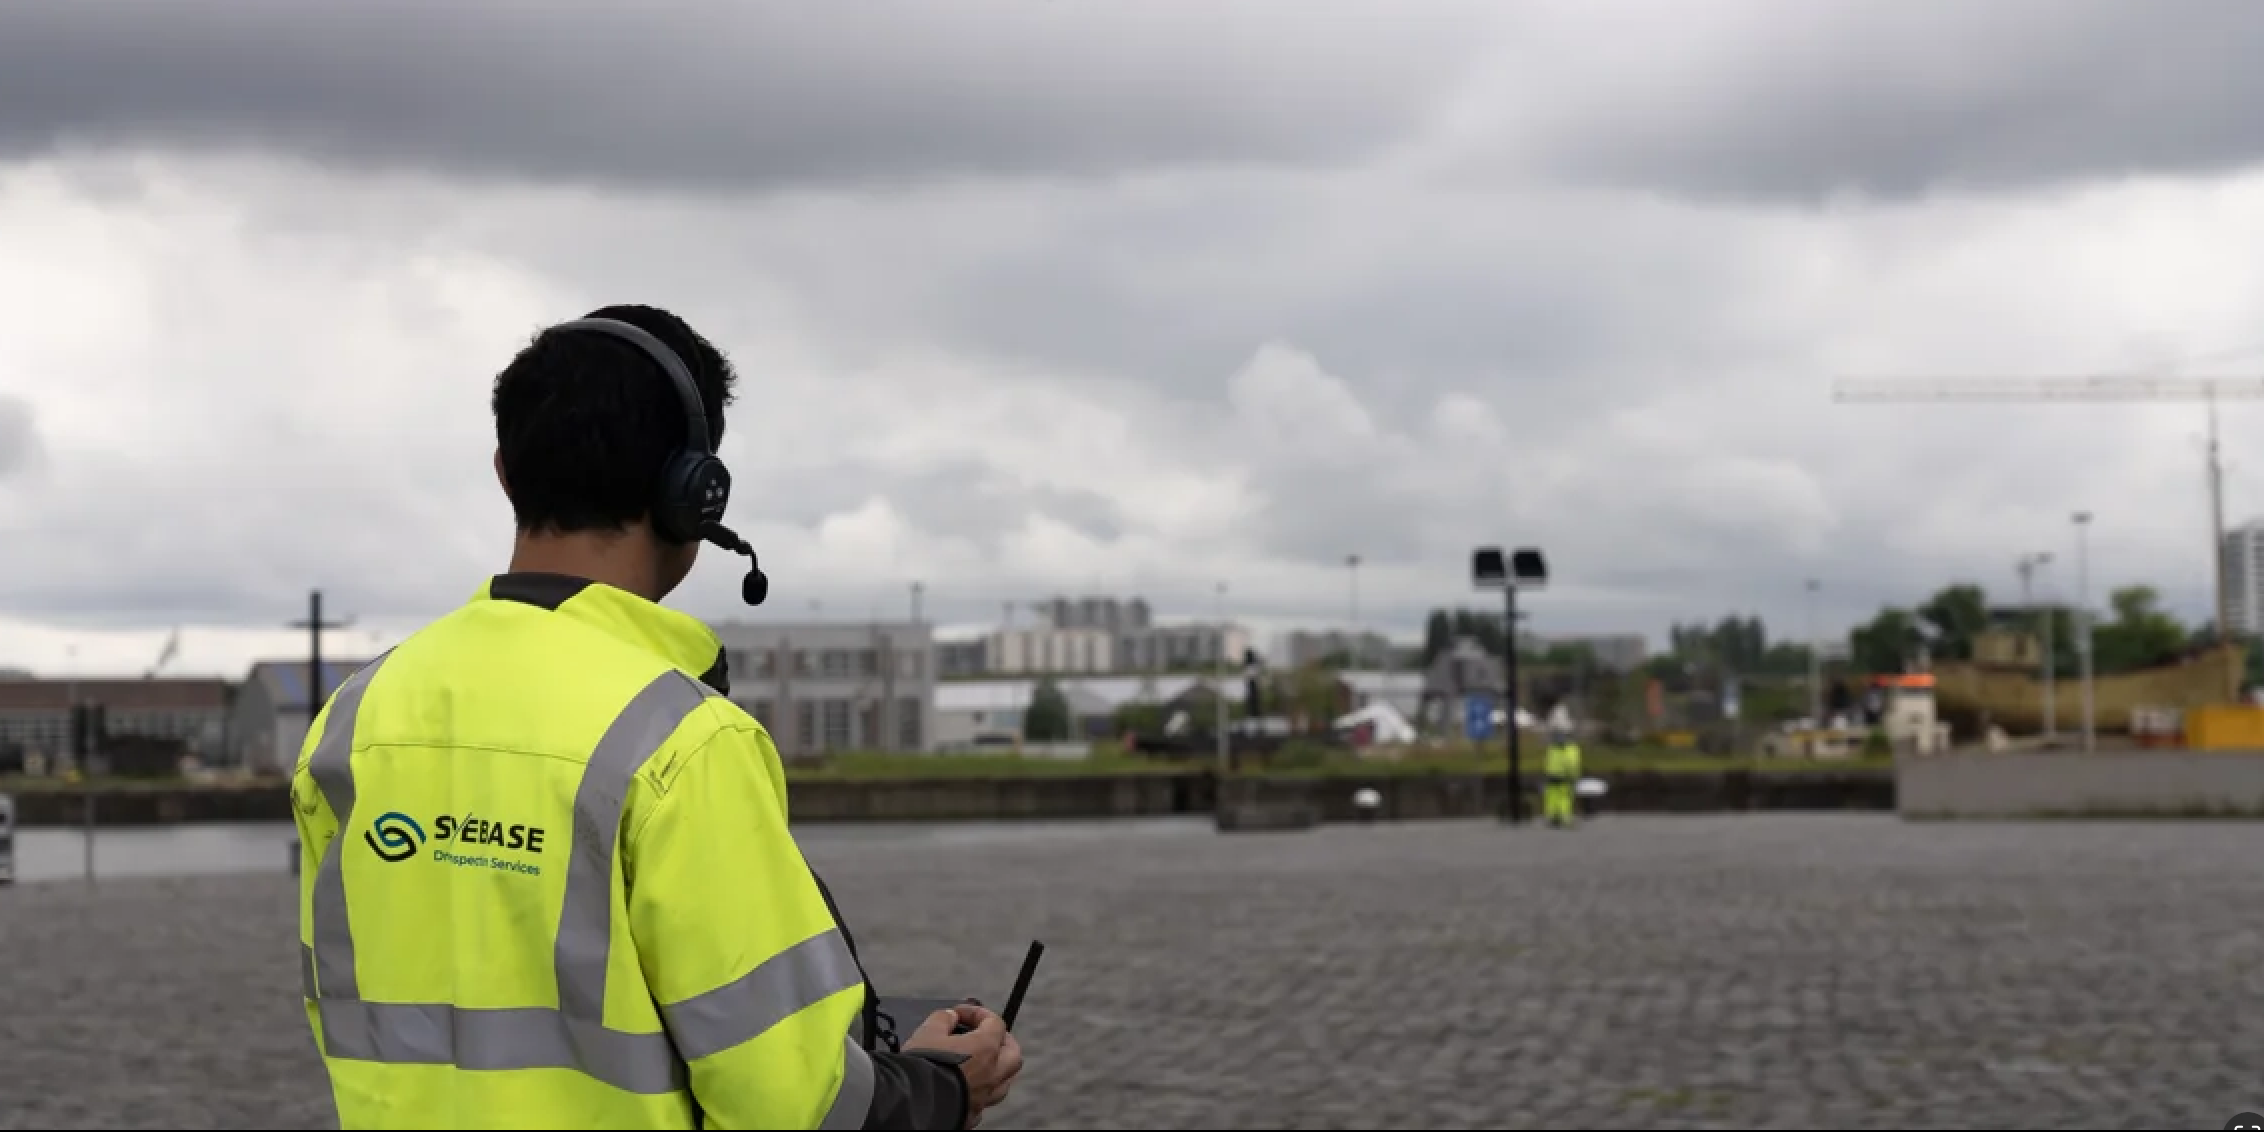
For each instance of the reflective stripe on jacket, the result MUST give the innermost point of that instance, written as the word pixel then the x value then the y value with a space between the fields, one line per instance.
pixel 547 882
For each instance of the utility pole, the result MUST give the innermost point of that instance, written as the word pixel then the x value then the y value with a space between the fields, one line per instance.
pixel 2217 540
pixel 314 625
pixel 1218 681
pixel 2098 390
pixel 1815 663
pixel 2027 566
pixel 916 603
pixel 2083 611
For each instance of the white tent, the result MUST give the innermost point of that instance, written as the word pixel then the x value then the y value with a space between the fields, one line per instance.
pixel 1526 721
pixel 1384 722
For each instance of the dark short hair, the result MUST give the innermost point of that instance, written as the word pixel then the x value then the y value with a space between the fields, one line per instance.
pixel 585 422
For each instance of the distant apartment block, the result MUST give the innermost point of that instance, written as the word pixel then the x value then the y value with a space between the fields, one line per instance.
pixel 1166 648
pixel 1115 615
pixel 1360 650
pixel 962 659
pixel 825 687
pixel 1015 652
pixel 2244 576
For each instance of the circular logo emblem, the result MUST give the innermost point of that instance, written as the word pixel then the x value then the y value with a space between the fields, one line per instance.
pixel 394 836
pixel 2246 1120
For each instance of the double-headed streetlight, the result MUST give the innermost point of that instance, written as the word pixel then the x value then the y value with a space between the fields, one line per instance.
pixel 1521 569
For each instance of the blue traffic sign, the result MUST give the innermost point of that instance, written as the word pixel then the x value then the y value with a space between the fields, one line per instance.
pixel 1477 718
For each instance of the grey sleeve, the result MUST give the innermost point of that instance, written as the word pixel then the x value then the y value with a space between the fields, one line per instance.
pixel 919 1090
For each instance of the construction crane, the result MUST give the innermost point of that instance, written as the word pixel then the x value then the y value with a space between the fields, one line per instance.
pixel 2094 390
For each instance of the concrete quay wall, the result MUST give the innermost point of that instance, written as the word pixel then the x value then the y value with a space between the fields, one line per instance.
pixel 1075 797
pixel 2066 784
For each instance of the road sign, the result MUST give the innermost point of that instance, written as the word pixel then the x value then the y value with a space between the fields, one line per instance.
pixel 1477 718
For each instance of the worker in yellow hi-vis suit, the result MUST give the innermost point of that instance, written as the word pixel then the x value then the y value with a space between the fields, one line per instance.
pixel 1561 773
pixel 547 875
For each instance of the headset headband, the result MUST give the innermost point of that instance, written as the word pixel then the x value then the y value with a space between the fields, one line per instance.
pixel 696 433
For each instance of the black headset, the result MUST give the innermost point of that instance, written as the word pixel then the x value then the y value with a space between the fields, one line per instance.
pixel 695 487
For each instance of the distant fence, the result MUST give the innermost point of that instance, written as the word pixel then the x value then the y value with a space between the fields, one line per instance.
pixel 1067 797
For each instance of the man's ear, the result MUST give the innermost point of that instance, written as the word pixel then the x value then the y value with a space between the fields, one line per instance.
pixel 504 483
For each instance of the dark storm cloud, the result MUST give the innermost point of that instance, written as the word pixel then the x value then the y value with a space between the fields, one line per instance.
pixel 1770 99
pixel 1752 98
pixel 729 93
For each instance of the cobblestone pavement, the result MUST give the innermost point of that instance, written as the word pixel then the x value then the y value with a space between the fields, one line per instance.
pixel 1774 971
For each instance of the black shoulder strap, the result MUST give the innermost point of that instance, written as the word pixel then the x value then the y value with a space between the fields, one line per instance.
pixel 871 1035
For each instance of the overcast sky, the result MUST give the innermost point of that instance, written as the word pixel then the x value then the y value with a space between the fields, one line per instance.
pixel 1124 297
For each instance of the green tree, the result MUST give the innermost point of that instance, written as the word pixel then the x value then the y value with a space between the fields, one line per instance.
pixel 1886 644
pixel 1048 718
pixel 2139 634
pixel 1952 618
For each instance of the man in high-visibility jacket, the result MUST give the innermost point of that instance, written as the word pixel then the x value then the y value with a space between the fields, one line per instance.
pixel 1560 771
pixel 547 880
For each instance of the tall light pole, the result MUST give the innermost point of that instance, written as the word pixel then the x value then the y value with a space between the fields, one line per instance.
pixel 1815 662
pixel 1218 678
pixel 1352 567
pixel 2029 564
pixel 1489 568
pixel 2083 613
pixel 916 590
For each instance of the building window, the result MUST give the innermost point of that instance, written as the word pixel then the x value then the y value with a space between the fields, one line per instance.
pixel 833 663
pixel 805 726
pixel 868 662
pixel 836 725
pixel 908 724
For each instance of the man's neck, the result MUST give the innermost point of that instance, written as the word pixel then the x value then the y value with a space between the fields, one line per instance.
pixel 618 560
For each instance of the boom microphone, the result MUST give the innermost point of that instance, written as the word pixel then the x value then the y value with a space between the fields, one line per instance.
pixel 756 586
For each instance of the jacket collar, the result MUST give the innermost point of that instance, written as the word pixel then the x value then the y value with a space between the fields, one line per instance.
pixel 678 638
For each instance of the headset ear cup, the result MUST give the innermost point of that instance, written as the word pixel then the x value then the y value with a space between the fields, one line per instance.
pixel 677 513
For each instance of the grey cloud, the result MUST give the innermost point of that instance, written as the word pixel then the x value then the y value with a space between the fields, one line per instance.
pixel 20 449
pixel 729 94
pixel 1743 98
pixel 959 496
pixel 1886 98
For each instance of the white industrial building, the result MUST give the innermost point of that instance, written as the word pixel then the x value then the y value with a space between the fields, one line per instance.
pixel 835 686
pixel 972 713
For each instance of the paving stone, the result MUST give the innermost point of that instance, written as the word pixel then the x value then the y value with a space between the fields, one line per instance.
pixel 1748 971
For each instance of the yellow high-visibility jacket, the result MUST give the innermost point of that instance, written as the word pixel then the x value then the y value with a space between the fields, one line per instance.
pixel 546 882
pixel 1562 762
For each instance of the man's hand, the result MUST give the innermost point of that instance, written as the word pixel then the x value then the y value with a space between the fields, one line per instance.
pixel 993 1056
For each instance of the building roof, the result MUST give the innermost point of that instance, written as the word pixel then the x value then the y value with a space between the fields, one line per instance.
pixel 286 680
pixel 154 694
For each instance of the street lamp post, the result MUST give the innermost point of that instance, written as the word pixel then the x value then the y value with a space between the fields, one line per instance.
pixel 1218 679
pixel 1521 569
pixel 1352 643
pixel 2083 612
pixel 1815 662
pixel 2029 564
